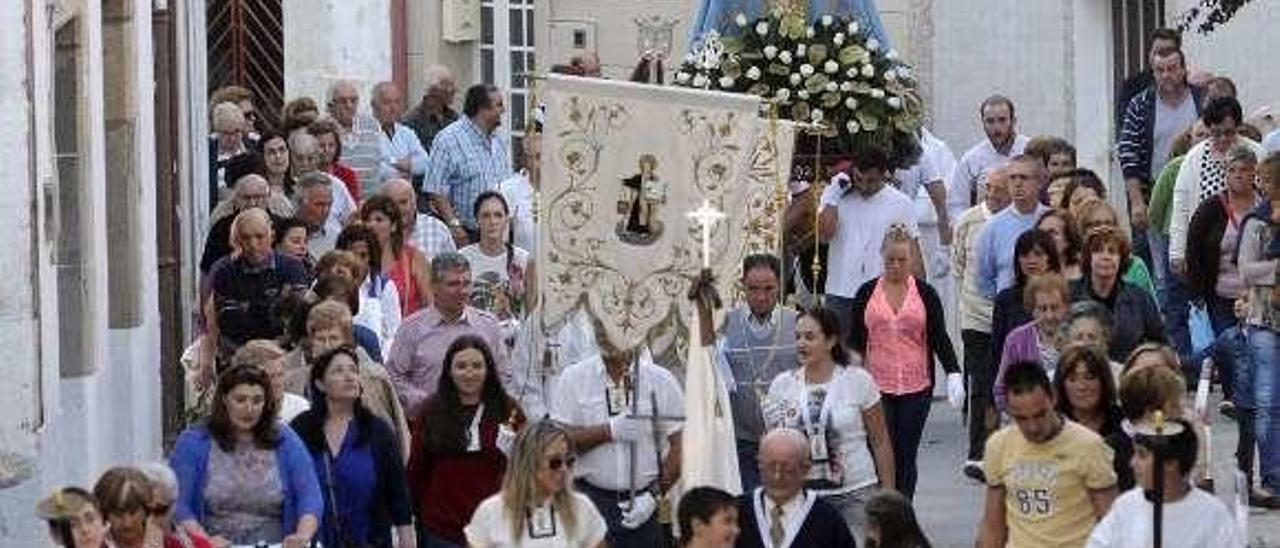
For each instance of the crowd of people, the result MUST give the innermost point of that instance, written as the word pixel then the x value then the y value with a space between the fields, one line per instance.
pixel 363 371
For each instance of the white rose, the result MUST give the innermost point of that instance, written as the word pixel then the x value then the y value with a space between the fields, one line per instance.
pixel 803 93
pixel 873 44
pixel 815 115
pixel 690 57
pixel 700 81
pixel 682 77
pixel 785 57
pixel 892 54
pixel 832 87
pixel 801 50
pixel 741 20
pixel 895 102
pixel 877 93
pixel 830 67
pixel 853 27
pixel 868 71
pixel 852 126
pixel 851 103
pixel 810 33
pixel 827 20
pixel 770 52
pixel 846 87
pixel 852 72
pixel 806 70
pixel 794 79
pixel 753 73
pixel 783 94
pixel 762 28
pixel 838 38
pixel 891 75
pixel 726 82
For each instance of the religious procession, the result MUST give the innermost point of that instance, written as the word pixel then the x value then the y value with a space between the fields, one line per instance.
pixel 735 291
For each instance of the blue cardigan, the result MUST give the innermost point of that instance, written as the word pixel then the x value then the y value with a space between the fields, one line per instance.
pixel 190 460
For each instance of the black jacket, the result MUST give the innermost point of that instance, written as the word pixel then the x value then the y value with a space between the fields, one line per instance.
pixel 823 526
pixel 1204 251
pixel 1134 316
pixel 936 338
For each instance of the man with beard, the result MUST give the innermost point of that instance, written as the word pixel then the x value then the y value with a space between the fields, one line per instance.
pixel 968 184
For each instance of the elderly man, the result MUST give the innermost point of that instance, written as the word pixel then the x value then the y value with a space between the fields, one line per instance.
pixel 611 403
pixel 468 157
pixel 996 264
pixel 306 156
pixel 968 182
pixel 435 112
pixel 401 155
pixel 781 513
pixel 757 343
pixel 227 141
pixel 250 190
pixel 427 233
pixel 313 204
pixel 417 355
pixel 359 133
pixel 1049 480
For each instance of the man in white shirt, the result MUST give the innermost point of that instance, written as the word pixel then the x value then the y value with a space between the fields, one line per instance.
pixel 930 174
pixel 402 155
pixel 856 210
pixel 1192 518
pixel 968 182
pixel 608 402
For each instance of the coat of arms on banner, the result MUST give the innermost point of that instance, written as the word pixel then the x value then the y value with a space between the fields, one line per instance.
pixel 623 164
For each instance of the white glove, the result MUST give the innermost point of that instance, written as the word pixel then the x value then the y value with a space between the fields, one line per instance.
pixel 624 428
pixel 637 512
pixel 955 390
pixel 506 439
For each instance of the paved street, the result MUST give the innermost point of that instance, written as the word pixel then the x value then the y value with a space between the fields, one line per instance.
pixel 950 505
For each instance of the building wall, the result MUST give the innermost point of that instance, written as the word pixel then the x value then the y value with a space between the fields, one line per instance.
pixel 1223 52
pixel 327 41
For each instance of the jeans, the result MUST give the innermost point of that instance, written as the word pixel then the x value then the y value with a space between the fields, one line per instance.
pixel 1264 350
pixel 1222 317
pixel 1176 311
pixel 843 309
pixel 1231 353
pixel 979 378
pixel 648 535
pixel 748 465
pixel 905 415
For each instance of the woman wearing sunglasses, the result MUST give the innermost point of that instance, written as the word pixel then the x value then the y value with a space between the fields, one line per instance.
pixel 537 506
pixel 463 437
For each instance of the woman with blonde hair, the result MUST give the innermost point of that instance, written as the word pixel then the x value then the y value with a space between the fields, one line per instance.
pixel 537 506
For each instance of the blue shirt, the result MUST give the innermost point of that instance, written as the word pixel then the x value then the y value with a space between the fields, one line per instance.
pixel 996 242
pixel 402 142
pixel 368 340
pixel 352 477
pixel 464 163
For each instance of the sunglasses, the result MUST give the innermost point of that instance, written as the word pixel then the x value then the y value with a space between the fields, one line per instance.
pixel 558 463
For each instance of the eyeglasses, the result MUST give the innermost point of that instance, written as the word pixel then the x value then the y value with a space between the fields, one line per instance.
pixel 558 463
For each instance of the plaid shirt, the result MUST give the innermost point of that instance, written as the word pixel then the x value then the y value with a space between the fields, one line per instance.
pixel 464 163
pixel 431 236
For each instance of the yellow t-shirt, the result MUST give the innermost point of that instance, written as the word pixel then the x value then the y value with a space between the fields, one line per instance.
pixel 1047 485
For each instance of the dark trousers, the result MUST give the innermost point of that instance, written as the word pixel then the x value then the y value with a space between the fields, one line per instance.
pixel 843 308
pixel 905 416
pixel 748 464
pixel 978 380
pixel 649 535
pixel 1222 316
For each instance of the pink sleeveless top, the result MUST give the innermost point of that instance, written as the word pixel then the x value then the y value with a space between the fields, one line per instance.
pixel 401 274
pixel 897 356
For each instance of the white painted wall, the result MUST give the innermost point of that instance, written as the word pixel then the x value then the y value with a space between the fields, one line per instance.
pixel 1240 50
pixel 327 41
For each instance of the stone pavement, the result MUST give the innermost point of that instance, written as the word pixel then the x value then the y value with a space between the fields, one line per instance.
pixel 949 505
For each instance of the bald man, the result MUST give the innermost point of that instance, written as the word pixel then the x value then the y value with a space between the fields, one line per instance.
pixel 250 191
pixel 401 152
pixel 781 513
pixel 359 132
pixel 427 233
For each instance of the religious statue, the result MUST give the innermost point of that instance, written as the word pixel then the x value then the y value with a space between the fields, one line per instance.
pixel 643 193
pixel 719 15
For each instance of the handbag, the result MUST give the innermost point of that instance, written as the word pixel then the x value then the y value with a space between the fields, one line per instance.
pixel 1201 328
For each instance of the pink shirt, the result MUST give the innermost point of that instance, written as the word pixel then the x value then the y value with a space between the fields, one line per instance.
pixel 897 355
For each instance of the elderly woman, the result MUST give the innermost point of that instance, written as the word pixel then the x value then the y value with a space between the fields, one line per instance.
pixel 537 507
pixel 298 114
pixel 1089 324
pixel 269 357
pixel 1095 213
pixel 74 519
pixel 901 333
pixel 124 496
pixel 358 457
pixel 328 326
pixel 1040 340
pixel 1133 311
pixel 1212 271
pixel 243 476
pixel 379 298
pixel 164 495
pixel 245 291
pixel 404 264
pixel 328 134
pixel 1036 255
pixel 1259 264
pixel 462 441
pixel 227 141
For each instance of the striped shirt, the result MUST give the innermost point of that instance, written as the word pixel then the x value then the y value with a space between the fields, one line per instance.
pixel 464 163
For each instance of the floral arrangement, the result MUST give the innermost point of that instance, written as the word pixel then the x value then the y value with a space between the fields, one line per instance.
pixel 831 73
